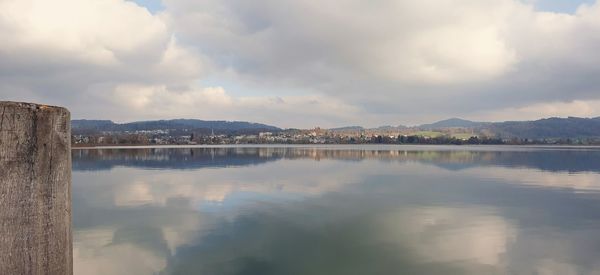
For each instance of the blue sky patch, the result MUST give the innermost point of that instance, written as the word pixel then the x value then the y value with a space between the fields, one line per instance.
pixel 564 6
pixel 153 6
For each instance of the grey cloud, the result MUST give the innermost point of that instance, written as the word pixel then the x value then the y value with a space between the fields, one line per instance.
pixel 488 54
pixel 370 63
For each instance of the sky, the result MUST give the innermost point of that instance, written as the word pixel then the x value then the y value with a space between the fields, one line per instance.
pixel 304 63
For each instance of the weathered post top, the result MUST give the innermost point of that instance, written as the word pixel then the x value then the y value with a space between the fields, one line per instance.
pixel 35 189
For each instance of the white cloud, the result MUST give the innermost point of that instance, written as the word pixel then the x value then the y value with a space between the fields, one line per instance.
pixel 439 41
pixel 97 32
pixel 60 51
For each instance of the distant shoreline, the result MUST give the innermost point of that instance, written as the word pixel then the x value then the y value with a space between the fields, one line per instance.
pixel 493 147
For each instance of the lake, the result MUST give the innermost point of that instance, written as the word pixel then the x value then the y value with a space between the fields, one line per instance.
pixel 337 210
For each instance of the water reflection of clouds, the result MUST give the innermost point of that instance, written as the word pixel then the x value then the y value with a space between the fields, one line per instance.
pixel 132 190
pixel 584 181
pixel 441 234
pixel 336 217
pixel 131 187
pixel 550 251
pixel 95 253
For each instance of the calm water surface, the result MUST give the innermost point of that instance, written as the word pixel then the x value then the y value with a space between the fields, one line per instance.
pixel 336 210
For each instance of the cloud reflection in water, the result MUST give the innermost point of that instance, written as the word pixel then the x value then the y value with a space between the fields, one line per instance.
pixel 323 211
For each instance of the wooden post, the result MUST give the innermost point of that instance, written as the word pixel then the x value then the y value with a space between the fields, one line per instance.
pixel 35 189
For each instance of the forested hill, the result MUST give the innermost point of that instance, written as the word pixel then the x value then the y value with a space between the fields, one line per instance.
pixel 571 127
pixel 548 128
pixel 219 127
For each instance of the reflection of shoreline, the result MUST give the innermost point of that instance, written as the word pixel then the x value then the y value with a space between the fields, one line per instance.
pixel 411 147
pixel 453 158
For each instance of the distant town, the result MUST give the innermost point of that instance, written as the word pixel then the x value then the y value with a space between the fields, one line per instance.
pixel 312 136
pixel 572 131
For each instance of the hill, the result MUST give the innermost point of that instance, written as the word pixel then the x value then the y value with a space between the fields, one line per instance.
pixel 548 128
pixel 360 128
pixel 219 127
pixel 571 127
pixel 450 123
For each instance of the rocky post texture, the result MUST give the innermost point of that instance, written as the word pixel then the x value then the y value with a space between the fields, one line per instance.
pixel 35 189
